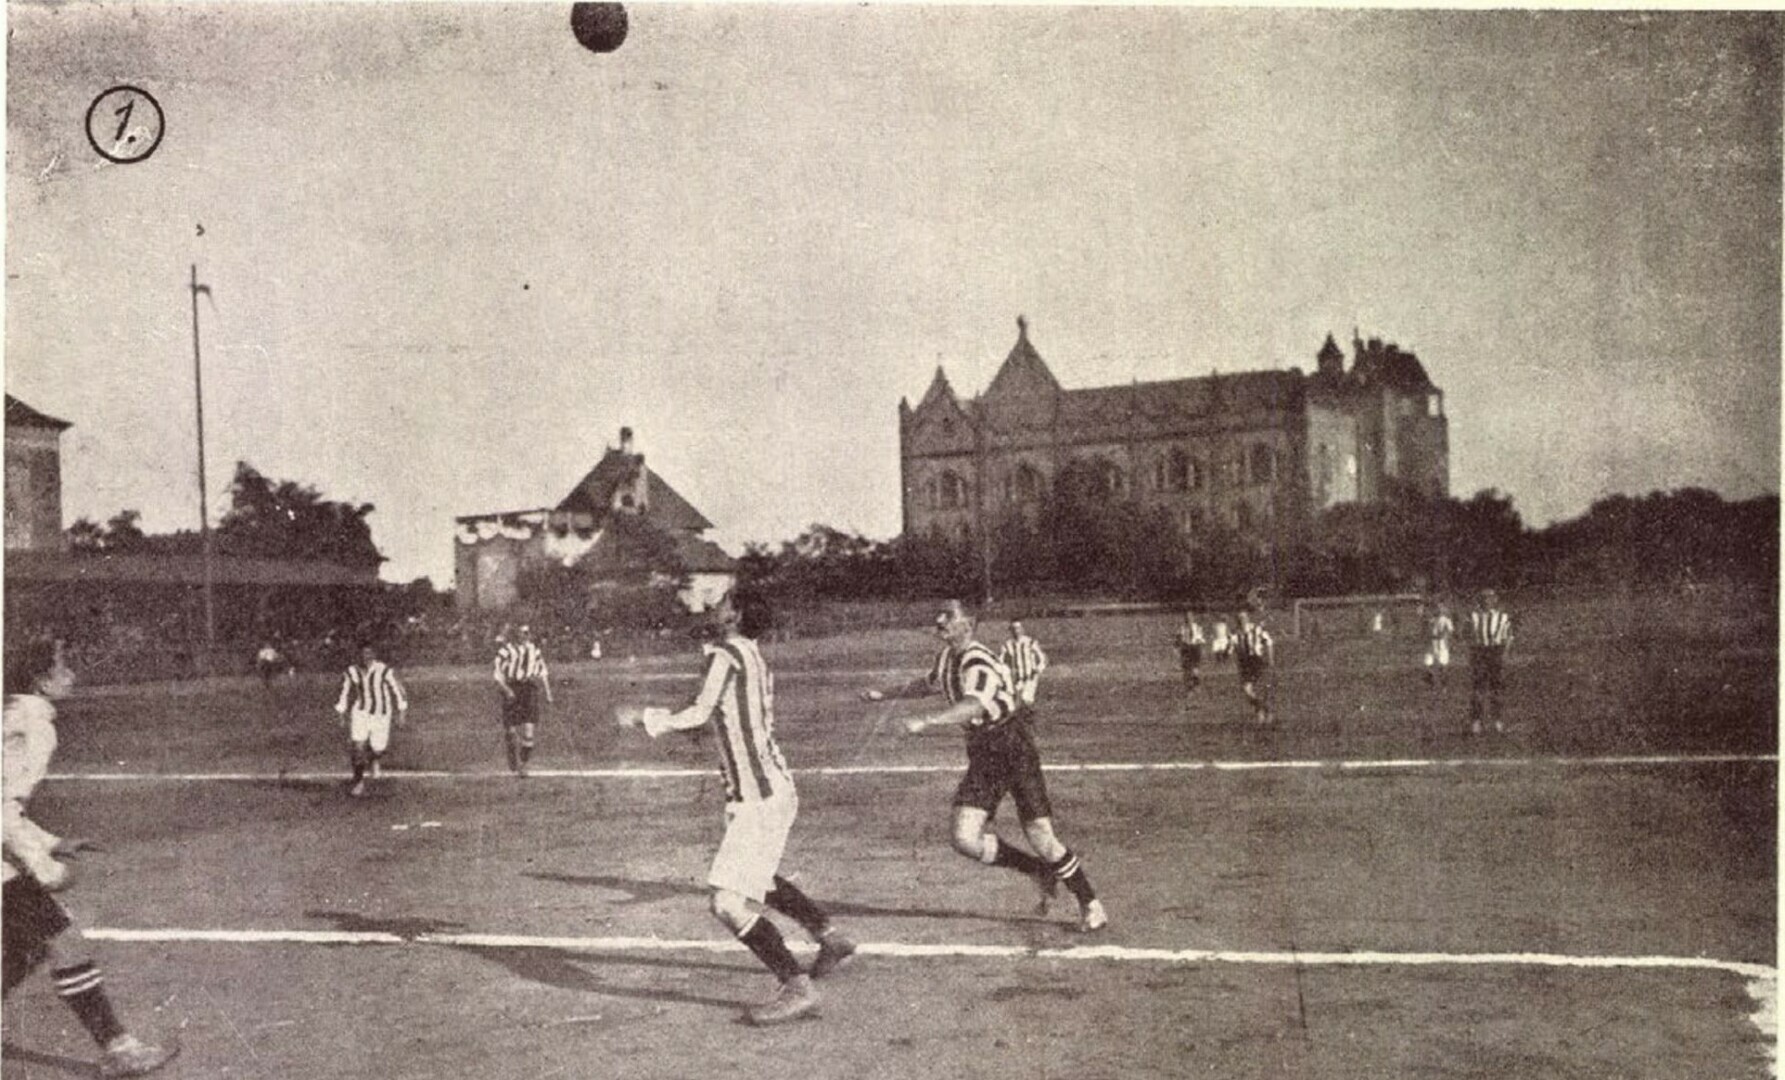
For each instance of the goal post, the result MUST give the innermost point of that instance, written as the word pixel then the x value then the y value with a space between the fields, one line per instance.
pixel 1390 614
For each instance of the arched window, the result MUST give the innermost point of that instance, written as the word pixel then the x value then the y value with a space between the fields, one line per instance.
pixel 1029 484
pixel 1115 482
pixel 1264 463
pixel 1178 470
pixel 1242 517
pixel 953 491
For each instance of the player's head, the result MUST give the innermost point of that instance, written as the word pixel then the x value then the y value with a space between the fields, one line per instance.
pixel 1489 598
pixel 755 616
pixel 368 652
pixel 37 667
pixel 525 632
pixel 1016 628
pixel 1243 618
pixel 954 623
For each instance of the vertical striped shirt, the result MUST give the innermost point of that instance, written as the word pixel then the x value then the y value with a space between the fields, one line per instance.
pixel 519 662
pixel 1492 628
pixel 974 672
pixel 738 698
pixel 1253 643
pixel 1023 658
pixel 372 689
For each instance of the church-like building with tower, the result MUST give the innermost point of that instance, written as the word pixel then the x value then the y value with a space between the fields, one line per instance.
pixel 1258 453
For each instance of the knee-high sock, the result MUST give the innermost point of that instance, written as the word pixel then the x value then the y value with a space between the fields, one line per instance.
pixel 1072 875
pixel 84 990
pixel 764 939
pixel 994 852
pixel 796 905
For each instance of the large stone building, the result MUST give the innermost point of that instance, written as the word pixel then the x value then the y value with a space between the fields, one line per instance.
pixel 492 549
pixel 1258 452
pixel 33 478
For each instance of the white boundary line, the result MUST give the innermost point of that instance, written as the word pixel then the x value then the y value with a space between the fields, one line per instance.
pixel 1760 980
pixel 917 951
pixel 1337 765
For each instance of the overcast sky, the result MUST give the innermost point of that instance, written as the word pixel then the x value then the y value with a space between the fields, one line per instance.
pixel 452 251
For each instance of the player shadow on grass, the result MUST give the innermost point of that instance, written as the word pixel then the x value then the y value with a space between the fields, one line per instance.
pixel 564 969
pixel 561 968
pixel 18 1055
pixel 646 891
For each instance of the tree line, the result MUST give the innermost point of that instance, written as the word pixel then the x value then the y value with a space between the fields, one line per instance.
pixel 1081 540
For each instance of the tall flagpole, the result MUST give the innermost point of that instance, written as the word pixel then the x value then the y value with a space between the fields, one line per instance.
pixel 204 516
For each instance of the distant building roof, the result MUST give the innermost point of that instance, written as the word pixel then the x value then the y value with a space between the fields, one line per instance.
pixel 594 493
pixel 19 414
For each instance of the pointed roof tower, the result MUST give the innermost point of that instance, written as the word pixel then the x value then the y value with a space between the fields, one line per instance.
pixel 1330 359
pixel 939 391
pixel 1024 373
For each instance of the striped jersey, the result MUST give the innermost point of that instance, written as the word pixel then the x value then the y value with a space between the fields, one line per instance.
pixel 1252 643
pixel 738 698
pixel 30 734
pixel 519 662
pixel 372 689
pixel 974 672
pixel 1023 658
pixel 1190 634
pixel 1490 629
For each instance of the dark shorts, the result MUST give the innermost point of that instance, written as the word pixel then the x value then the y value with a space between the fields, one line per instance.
pixel 1190 656
pixel 1487 669
pixel 31 919
pixel 1003 760
pixel 1252 668
pixel 523 708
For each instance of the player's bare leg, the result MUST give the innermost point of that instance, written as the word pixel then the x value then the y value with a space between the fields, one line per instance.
pixel 1063 866
pixel 973 840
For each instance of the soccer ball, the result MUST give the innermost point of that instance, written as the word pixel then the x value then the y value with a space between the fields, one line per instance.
pixel 599 27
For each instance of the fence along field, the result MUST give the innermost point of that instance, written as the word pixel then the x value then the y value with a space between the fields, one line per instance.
pixel 1491 912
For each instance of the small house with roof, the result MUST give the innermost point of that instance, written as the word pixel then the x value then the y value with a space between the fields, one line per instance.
pixel 492 549
pixel 33 478
pixel 1258 453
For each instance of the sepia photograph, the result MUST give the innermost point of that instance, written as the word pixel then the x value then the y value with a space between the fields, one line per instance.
pixel 870 541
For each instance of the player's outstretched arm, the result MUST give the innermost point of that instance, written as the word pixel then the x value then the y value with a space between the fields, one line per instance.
pixel 962 713
pixel 914 688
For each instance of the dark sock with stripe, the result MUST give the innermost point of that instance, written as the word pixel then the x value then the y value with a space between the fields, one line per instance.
pixel 796 905
pixel 359 763
pixel 83 988
pixel 764 939
pixel 1020 861
pixel 1073 876
pixel 526 752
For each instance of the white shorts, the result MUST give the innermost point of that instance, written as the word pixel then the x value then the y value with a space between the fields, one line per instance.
pixel 364 727
pixel 755 838
pixel 1438 654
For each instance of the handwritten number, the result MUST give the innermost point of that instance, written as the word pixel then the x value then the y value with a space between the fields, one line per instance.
pixel 125 122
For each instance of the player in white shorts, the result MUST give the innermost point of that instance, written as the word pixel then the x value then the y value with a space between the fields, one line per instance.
pixel 370 696
pixel 737 697
pixel 1439 631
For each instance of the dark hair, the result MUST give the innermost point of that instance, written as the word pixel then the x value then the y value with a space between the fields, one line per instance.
pixel 756 616
pixel 27 663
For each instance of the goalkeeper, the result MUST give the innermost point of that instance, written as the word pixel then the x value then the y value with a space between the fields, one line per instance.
pixel 737 695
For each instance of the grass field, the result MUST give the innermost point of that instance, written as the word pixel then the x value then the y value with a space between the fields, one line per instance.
pixel 1363 892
